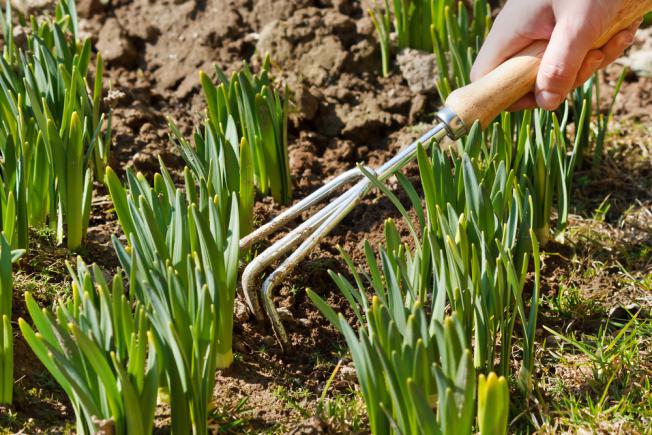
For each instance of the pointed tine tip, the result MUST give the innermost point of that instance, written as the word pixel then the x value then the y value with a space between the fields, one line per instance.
pixel 272 314
pixel 248 283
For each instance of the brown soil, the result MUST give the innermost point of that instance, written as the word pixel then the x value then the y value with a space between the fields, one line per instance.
pixel 344 113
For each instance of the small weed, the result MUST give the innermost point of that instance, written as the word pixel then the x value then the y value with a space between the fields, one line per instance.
pixel 569 304
pixel 607 355
pixel 231 419
pixel 293 399
pixel 600 213
pixel 343 412
pixel 8 417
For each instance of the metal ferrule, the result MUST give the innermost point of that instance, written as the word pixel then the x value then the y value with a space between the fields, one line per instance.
pixel 454 125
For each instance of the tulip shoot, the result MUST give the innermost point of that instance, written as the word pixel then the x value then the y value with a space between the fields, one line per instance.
pixel 493 404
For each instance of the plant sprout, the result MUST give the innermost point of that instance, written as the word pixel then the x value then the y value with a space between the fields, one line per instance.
pixel 493 404
pixel 51 126
pixel 182 261
pixel 244 140
pixel 7 257
pixel 101 352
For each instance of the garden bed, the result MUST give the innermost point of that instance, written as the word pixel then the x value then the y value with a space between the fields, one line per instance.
pixel 344 113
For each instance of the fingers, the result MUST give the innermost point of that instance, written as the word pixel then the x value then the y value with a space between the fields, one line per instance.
pixel 612 50
pixel 562 62
pixel 617 46
pixel 569 59
pixel 516 27
pixel 592 62
pixel 494 50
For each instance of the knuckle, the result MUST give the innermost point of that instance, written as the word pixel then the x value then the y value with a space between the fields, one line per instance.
pixel 554 73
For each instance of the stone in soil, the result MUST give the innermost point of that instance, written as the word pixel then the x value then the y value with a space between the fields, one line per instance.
pixel 116 46
pixel 314 40
pixel 306 103
pixel 311 426
pixel 640 63
pixel 88 8
pixel 266 11
pixel 27 7
pixel 419 70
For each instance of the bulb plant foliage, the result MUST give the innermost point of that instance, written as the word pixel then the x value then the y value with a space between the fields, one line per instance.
pixel 477 246
pixel 457 41
pixel 422 25
pixel 182 260
pixel 407 361
pixel 244 139
pixel 98 346
pixel 493 404
pixel 7 258
pixel 488 207
pixel 54 135
pixel 472 250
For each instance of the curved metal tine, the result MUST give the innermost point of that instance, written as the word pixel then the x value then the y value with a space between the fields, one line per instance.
pixel 292 212
pixel 280 247
pixel 276 277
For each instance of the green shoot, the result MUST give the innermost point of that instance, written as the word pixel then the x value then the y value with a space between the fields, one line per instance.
pixel 100 351
pixel 182 261
pixel 244 140
pixel 7 257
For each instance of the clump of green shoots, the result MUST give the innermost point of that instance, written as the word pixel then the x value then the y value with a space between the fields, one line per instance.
pixel 477 246
pixel 7 258
pixel 98 346
pixel 422 25
pixel 408 360
pixel 54 134
pixel 471 255
pixel 182 261
pixel 244 139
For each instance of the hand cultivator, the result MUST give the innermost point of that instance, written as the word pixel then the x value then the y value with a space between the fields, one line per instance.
pixel 480 102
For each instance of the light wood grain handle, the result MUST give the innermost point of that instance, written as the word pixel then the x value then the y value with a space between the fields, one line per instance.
pixel 486 98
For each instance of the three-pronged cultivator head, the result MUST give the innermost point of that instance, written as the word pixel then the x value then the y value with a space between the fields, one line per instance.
pixel 304 237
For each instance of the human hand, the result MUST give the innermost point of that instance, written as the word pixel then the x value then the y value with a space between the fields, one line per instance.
pixel 572 29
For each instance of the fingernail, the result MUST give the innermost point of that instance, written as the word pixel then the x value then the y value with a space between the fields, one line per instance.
pixel 597 61
pixel 628 39
pixel 549 100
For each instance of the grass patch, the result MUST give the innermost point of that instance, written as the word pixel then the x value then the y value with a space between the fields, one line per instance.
pixel 599 381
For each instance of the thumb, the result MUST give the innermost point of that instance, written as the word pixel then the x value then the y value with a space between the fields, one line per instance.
pixel 569 44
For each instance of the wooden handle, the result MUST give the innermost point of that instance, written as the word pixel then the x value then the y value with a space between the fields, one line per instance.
pixel 484 99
